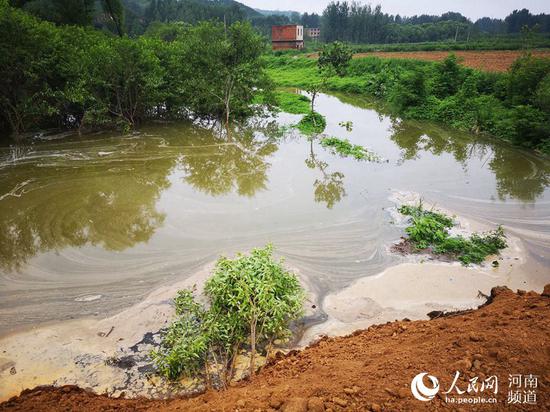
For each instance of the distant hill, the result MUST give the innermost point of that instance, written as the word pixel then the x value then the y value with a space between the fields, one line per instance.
pixel 250 12
pixel 287 13
pixel 135 5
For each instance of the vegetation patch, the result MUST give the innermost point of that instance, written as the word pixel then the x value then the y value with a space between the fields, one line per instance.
pixel 293 103
pixel 64 76
pixel 347 149
pixel 252 300
pixel 312 123
pixel 429 232
pixel 512 105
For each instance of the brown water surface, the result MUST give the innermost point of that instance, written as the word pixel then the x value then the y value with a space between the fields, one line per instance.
pixel 91 224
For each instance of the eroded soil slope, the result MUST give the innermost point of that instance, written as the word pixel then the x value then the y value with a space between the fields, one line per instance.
pixel 373 369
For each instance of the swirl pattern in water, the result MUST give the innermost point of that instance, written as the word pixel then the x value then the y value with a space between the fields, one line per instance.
pixel 90 224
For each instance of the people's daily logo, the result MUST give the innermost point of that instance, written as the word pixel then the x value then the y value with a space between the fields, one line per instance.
pixel 422 392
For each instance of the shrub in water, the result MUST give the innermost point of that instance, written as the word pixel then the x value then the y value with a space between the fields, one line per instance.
pixel 429 230
pixel 312 123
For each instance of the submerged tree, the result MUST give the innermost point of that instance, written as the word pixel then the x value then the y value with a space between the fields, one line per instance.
pixel 223 70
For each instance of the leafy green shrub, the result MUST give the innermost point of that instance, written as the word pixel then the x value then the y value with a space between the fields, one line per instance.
pixel 530 126
pixel 417 212
pixel 448 77
pixel 252 298
pixel 185 344
pixel 335 56
pixel 542 97
pixel 524 77
pixel 345 148
pixel 312 123
pixel 429 231
pixel 410 90
pixel 425 230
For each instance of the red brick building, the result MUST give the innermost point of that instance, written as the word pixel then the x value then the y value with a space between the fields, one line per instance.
pixel 287 37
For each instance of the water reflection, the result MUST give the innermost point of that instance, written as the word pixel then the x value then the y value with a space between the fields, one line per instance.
pixel 519 175
pixel 523 177
pixel 329 188
pixel 59 201
pixel 103 192
pixel 414 138
pixel 234 161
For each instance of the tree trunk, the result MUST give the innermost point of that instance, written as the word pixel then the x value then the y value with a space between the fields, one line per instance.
pixel 253 347
pixel 229 372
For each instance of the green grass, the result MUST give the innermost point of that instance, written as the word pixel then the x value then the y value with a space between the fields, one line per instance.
pixel 293 103
pixel 312 123
pixel 446 92
pixel 347 149
pixel 429 231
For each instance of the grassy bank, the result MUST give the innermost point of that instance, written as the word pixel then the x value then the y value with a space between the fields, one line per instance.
pixel 514 106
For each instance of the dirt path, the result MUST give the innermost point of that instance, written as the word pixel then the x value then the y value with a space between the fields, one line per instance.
pixel 488 60
pixel 373 369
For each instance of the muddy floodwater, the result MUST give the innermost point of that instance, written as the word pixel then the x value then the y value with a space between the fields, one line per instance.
pixel 90 225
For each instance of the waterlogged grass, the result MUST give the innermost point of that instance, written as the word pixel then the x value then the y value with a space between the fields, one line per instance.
pixel 429 231
pixel 292 71
pixel 312 123
pixel 347 149
pixel 293 103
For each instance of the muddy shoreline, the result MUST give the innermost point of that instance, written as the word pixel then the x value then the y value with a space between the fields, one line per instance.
pixel 110 356
pixel 371 369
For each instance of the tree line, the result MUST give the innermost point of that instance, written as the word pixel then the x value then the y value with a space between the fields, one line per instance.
pixel 361 23
pixel 67 76
pixel 341 20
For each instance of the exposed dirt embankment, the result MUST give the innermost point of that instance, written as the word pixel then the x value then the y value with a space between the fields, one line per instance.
pixel 373 369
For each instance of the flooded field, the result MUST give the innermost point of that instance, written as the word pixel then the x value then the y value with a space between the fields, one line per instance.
pixel 90 225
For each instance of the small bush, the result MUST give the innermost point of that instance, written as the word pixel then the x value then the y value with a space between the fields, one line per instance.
pixel 429 230
pixel 252 299
pixel 312 123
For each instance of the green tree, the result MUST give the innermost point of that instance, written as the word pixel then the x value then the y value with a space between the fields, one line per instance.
pixel 335 57
pixel 221 69
pixel 115 10
pixel 251 298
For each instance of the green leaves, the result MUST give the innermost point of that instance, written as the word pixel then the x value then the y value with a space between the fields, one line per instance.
pixel 335 57
pixel 312 123
pixel 67 76
pixel 429 230
pixel 345 148
pixel 251 297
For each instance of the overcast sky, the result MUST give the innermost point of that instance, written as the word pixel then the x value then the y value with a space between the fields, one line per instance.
pixel 473 9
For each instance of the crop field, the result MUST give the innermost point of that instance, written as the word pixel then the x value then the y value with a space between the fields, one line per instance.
pixel 488 60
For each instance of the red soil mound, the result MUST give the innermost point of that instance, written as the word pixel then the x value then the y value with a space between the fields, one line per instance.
pixel 373 369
